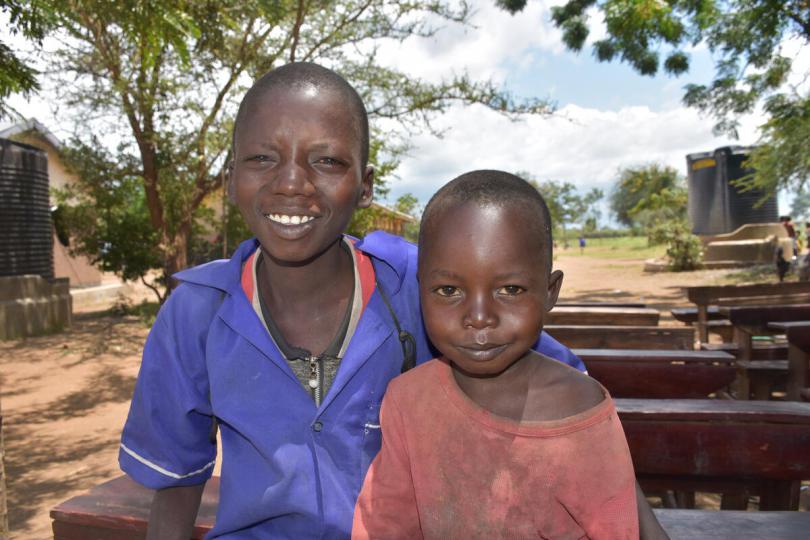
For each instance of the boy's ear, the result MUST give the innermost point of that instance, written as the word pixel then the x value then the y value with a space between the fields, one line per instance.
pixel 230 183
pixel 367 193
pixel 555 280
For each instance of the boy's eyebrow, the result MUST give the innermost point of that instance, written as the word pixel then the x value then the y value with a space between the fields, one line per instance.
pixel 438 272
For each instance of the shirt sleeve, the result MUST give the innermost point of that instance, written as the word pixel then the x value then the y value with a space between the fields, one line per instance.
pixel 387 507
pixel 166 440
pixel 552 348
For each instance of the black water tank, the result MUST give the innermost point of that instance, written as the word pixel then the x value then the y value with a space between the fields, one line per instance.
pixel 26 236
pixel 716 206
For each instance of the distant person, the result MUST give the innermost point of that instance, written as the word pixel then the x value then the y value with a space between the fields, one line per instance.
pixel 493 440
pixel 782 265
pixel 582 244
pixel 787 223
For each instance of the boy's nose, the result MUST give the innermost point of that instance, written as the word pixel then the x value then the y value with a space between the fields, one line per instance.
pixel 480 313
pixel 293 179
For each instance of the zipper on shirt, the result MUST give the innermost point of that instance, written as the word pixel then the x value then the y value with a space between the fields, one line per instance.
pixel 316 378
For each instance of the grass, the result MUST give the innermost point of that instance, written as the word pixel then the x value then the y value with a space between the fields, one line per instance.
pixel 622 247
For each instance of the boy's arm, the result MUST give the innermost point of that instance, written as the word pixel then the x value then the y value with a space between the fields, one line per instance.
pixel 173 513
pixel 386 507
pixel 648 526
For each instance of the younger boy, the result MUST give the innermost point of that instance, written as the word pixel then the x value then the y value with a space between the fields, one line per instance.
pixel 494 440
pixel 288 346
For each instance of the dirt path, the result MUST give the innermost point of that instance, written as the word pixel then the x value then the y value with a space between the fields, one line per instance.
pixel 66 396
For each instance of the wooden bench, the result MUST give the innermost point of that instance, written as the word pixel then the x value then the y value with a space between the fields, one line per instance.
pixel 727 295
pixel 716 323
pixel 119 510
pixel 751 320
pixel 737 448
pixel 798 336
pixel 759 350
pixel 603 316
pixel 659 374
pixel 733 525
pixel 623 337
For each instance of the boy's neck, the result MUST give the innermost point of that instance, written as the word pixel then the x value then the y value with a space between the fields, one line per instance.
pixel 505 394
pixel 322 277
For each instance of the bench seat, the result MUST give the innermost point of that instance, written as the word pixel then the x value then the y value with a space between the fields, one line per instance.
pixel 659 374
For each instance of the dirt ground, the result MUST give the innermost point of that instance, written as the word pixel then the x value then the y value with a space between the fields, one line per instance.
pixel 65 396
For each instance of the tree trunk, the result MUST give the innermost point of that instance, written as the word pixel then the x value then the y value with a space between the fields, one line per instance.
pixel 176 255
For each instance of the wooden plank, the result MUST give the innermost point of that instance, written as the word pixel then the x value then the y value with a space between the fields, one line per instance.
pixel 604 316
pixel 798 335
pixel 760 316
pixel 689 315
pixel 659 374
pixel 759 351
pixel 601 304
pixel 706 295
pixel 623 337
pixel 733 525
pixel 707 445
pixel 119 510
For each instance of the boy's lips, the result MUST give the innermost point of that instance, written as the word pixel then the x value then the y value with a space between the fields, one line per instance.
pixel 481 352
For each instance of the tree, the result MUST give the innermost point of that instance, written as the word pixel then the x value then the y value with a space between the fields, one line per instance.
pixel 746 38
pixel 29 19
pixel 644 192
pixel 565 204
pixel 165 78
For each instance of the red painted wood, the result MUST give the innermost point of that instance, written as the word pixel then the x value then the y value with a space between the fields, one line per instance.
pixel 119 510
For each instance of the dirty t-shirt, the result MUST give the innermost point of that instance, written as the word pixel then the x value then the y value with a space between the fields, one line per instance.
pixel 450 469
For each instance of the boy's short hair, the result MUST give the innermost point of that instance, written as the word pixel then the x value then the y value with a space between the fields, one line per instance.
pixel 491 188
pixel 298 75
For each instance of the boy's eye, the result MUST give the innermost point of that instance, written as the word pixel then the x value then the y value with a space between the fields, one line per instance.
pixel 260 158
pixel 329 161
pixel 447 291
pixel 511 290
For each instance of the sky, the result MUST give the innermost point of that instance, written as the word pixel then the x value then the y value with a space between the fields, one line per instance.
pixel 608 116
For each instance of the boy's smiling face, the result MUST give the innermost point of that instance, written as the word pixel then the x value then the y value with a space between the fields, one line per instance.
pixel 485 286
pixel 297 174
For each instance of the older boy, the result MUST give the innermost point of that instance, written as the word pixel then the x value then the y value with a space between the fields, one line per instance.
pixel 494 440
pixel 291 343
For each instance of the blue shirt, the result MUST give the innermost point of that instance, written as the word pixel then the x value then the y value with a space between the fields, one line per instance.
pixel 290 469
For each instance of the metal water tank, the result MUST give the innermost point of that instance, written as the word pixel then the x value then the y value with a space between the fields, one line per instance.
pixel 742 205
pixel 716 205
pixel 26 236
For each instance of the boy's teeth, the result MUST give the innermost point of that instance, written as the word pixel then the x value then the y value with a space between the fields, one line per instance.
pixel 289 220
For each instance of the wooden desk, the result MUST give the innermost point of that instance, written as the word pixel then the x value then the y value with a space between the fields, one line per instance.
pixel 757 294
pixel 659 374
pixel 798 335
pixel 623 337
pixel 737 448
pixel 119 509
pixel 604 316
pixel 748 320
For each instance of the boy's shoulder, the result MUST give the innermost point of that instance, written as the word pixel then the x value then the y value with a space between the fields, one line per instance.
pixel 414 383
pixel 563 389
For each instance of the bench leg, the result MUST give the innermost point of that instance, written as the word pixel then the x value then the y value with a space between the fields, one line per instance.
pixel 703 324
pixel 780 495
pixel 685 499
pixel 797 372
pixel 742 385
pixel 734 501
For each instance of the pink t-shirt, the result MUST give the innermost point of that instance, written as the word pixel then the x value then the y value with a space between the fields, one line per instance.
pixel 451 469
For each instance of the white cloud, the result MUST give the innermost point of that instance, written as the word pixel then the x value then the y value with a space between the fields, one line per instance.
pixel 482 49
pixel 579 145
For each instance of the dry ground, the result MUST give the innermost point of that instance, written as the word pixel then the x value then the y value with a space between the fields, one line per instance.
pixel 65 396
